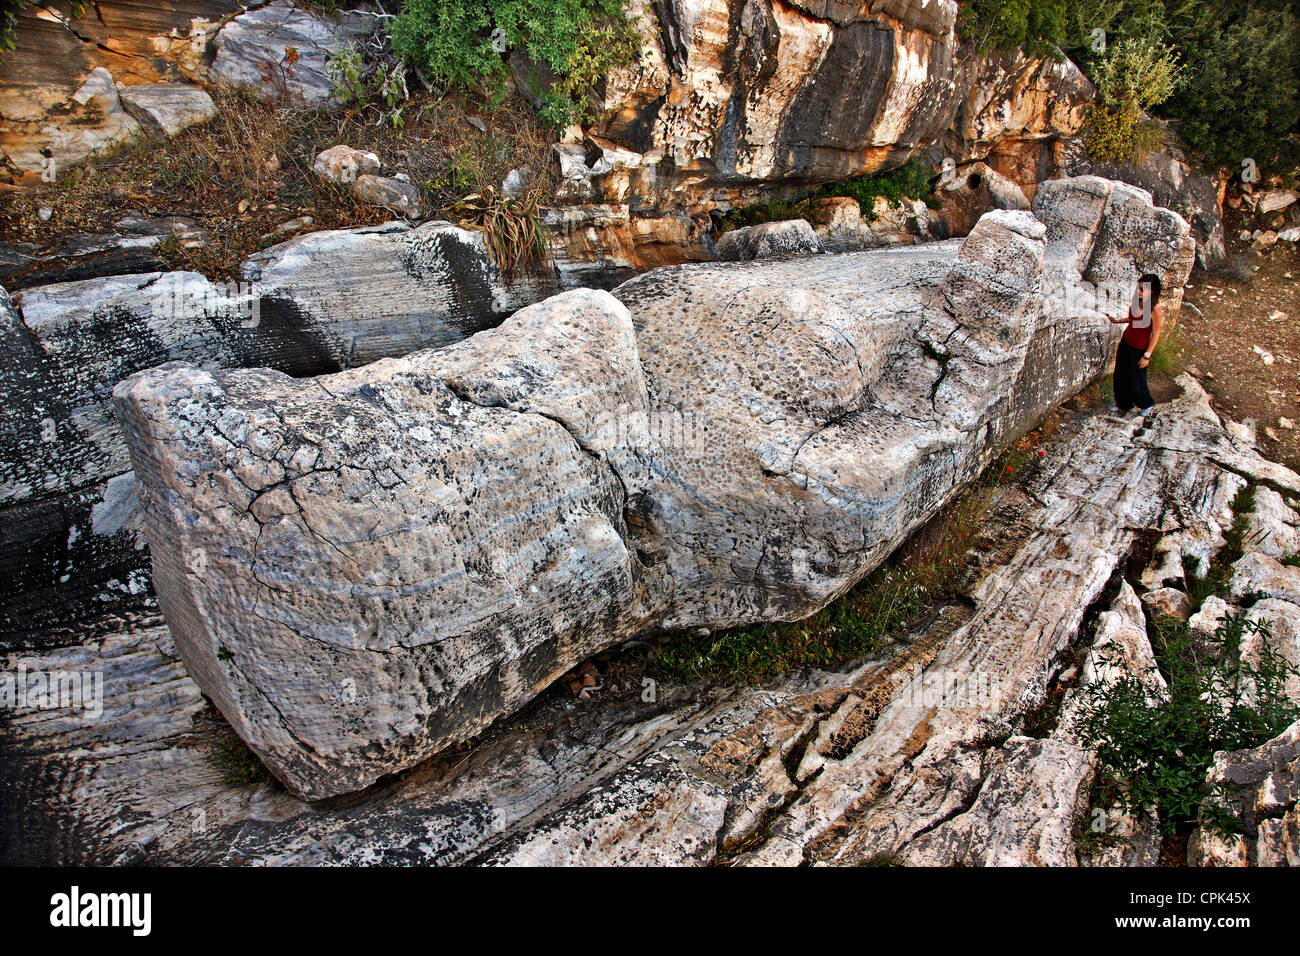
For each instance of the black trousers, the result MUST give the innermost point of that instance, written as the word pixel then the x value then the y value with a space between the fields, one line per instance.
pixel 1131 381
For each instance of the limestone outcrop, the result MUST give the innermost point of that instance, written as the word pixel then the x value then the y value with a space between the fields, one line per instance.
pixel 1172 182
pixel 1260 790
pixel 362 568
pixel 74 85
pixel 735 94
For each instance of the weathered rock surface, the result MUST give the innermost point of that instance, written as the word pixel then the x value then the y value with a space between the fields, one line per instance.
pixel 91 118
pixel 1172 182
pixel 325 301
pixel 128 250
pixel 251 48
pixel 167 108
pixel 394 195
pixel 343 164
pixel 973 191
pixel 730 95
pixel 768 240
pixel 73 86
pixel 918 755
pixel 842 225
pixel 798 418
pixel 1261 787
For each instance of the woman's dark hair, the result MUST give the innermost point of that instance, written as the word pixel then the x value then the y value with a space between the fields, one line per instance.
pixel 1153 281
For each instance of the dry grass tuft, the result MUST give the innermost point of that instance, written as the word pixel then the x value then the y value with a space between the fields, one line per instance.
pixel 249 170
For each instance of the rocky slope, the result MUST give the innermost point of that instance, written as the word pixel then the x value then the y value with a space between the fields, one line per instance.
pixel 447 533
pixel 937 752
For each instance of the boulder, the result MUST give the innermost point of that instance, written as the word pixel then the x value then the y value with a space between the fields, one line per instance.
pixel 842 226
pixel 91 119
pixel 52 57
pixel 855 766
pixel 1172 182
pixel 1256 574
pixel 343 164
pixel 396 196
pixel 1167 603
pixel 426 543
pixel 1273 200
pixel 167 108
pixel 1261 789
pixel 786 239
pixel 129 249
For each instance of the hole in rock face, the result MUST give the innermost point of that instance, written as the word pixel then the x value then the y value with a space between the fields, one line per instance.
pixel 973 180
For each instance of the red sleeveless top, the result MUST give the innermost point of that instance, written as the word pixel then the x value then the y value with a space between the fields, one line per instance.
pixel 1138 332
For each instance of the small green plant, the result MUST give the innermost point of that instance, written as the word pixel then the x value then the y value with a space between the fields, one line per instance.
pixel 1213 578
pixel 570 46
pixel 372 76
pixel 344 67
pixel 241 764
pixel 1154 755
pixel 1168 356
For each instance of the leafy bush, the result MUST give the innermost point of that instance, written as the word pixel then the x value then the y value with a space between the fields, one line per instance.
pixel 573 43
pixel 370 75
pixel 910 181
pixel 1033 25
pixel 1117 19
pixel 1241 97
pixel 1133 74
pixel 1156 757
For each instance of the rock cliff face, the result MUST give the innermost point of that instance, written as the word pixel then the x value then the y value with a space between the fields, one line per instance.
pixel 940 750
pixel 362 568
pixel 734 93
pixel 1261 789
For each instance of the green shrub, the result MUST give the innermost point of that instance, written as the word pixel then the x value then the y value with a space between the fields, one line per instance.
pixel 574 43
pixel 1133 74
pixel 1156 757
pixel 1117 19
pixel 1241 97
pixel 910 181
pixel 1036 26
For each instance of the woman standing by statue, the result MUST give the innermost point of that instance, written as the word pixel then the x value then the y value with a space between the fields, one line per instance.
pixel 1144 320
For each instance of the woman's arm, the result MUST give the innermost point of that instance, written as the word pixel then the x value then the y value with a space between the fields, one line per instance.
pixel 1157 320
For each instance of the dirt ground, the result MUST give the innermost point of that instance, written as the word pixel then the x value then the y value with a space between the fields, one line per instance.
pixel 1219 347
